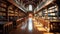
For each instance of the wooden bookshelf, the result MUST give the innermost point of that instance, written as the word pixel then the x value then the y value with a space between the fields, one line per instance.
pixel 3 9
pixel 49 13
pixel 53 13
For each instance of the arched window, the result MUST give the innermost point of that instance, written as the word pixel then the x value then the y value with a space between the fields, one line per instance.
pixel 30 7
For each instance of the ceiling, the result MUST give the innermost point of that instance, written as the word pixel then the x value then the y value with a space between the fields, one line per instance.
pixel 25 3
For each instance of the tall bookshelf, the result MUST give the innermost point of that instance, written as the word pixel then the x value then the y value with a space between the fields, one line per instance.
pixel 53 13
pixel 50 13
pixel 3 9
pixel 10 13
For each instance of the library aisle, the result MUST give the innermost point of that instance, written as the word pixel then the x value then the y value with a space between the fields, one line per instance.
pixel 30 27
pixel 29 16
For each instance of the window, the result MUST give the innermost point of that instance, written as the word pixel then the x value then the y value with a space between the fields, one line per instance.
pixel 30 7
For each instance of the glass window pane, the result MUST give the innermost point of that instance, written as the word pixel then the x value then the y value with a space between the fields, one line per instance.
pixel 30 7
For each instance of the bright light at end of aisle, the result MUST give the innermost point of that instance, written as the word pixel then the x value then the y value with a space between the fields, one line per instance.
pixel 30 24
